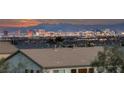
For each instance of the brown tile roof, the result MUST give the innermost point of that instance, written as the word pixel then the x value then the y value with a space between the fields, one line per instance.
pixel 63 57
pixel 7 48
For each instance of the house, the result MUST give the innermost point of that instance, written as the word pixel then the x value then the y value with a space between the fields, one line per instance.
pixel 59 60
pixel 6 49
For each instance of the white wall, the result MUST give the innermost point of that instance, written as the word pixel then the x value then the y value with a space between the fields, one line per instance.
pixel 66 70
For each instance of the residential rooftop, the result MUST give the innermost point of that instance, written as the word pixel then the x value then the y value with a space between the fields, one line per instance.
pixel 63 57
pixel 7 48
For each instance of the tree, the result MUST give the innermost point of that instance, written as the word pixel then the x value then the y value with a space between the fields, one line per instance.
pixel 3 66
pixel 16 68
pixel 55 41
pixel 59 41
pixel 1 61
pixel 110 60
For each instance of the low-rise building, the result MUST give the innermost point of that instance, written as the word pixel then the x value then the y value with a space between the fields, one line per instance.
pixel 60 60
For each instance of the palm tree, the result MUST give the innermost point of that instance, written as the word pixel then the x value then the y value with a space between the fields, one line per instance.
pixel 59 41
pixel 110 60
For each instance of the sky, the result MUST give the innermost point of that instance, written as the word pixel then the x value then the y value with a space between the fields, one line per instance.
pixel 35 22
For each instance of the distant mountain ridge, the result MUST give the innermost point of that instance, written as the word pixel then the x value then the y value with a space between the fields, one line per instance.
pixel 69 27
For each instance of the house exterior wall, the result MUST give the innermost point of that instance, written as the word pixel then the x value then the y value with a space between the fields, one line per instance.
pixel 68 70
pixel 20 63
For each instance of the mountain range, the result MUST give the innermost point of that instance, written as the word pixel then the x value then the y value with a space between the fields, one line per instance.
pixel 68 27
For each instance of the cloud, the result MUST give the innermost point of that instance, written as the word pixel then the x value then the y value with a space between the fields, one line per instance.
pixel 18 22
pixel 35 22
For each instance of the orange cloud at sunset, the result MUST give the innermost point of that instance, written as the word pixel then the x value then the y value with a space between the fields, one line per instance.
pixel 18 22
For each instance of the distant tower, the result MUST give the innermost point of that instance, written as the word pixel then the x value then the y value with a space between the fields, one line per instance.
pixel 30 33
pixel 5 33
pixel 18 33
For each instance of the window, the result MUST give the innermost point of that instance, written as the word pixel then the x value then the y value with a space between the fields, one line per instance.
pixel 73 70
pixel 37 71
pixel 62 71
pixel 26 70
pixel 91 70
pixel 55 71
pixel 83 70
pixel 32 71
pixel 59 71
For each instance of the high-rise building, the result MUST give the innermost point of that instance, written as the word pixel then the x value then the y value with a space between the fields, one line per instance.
pixel 5 33
pixel 30 33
